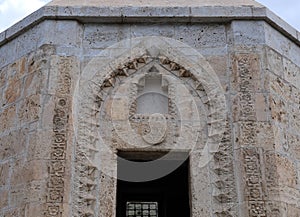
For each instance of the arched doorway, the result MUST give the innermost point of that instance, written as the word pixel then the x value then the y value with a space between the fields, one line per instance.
pixel 108 122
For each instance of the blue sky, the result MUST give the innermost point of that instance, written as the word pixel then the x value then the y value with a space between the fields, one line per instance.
pixel 12 11
pixel 289 10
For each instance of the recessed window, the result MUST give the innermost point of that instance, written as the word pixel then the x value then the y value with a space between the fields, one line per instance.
pixel 166 196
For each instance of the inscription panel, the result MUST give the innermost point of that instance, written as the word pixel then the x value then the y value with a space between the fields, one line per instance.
pixel 246 70
pixel 57 165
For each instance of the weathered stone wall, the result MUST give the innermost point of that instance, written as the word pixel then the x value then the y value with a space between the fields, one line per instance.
pixel 258 69
pixel 265 83
pixel 33 113
pixel 282 160
pixel 23 168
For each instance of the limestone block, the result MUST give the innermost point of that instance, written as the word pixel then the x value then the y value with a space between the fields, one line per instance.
pixel 279 109
pixel 246 73
pixel 235 108
pixel 4 199
pixel 103 36
pixel 187 109
pixel 271 174
pixel 291 72
pixel 280 134
pixel 18 198
pixel 90 53
pixel 295 95
pixel 293 140
pixel 280 171
pixel 107 195
pixel 28 41
pixel 14 212
pixel 25 172
pixel 245 134
pixel 293 211
pixel 3 77
pixel 294 118
pixel 201 188
pixel 201 36
pixel 38 61
pixel 261 107
pixel 35 191
pixel 63 74
pixel 2 100
pixel 265 80
pixel 48 112
pixel 35 209
pixel 17 69
pixel 287 172
pixel 13 92
pixel 29 193
pixel 274 62
pixel 15 72
pixel 39 144
pixel 280 88
pixel 12 144
pixel 127 134
pixel 8 53
pixel 188 135
pixel 258 134
pixel 8 118
pixel 30 109
pixel 243 107
pixel 4 174
pixel 248 32
pixel 107 178
pixel 276 208
pixel 152 30
pixel 281 44
pixel 152 14
pixel 35 83
pixel 220 67
pixel 117 108
pixel 252 180
pixel 264 135
pixel 201 209
pixel 68 33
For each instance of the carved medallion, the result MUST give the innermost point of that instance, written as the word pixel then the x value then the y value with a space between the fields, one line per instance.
pixel 158 128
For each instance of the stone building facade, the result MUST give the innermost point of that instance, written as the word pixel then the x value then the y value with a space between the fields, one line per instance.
pixel 87 85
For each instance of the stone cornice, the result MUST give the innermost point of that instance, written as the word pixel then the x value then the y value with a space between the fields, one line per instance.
pixel 203 14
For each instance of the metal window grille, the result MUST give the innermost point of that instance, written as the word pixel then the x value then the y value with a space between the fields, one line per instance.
pixel 141 209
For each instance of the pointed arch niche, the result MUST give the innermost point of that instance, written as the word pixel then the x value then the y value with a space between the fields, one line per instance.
pixel 113 113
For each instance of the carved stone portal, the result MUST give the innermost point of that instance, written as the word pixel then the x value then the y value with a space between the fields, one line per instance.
pixel 153 98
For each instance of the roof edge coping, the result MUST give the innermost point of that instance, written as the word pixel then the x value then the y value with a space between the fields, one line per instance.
pixel 129 14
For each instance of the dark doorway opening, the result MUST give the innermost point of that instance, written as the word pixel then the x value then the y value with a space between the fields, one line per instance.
pixel 167 196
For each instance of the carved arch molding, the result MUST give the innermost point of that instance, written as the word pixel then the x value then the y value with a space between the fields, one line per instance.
pixel 106 119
